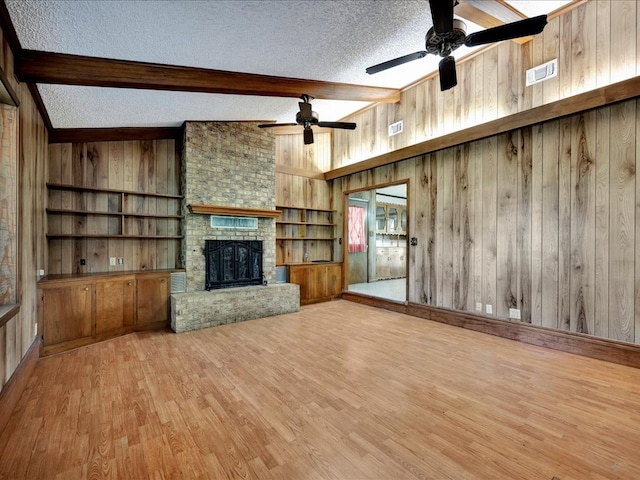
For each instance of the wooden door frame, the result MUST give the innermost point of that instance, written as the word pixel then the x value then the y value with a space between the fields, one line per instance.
pixel 345 230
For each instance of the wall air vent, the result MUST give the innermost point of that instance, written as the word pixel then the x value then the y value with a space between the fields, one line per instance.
pixel 395 128
pixel 542 72
pixel 224 221
pixel 178 282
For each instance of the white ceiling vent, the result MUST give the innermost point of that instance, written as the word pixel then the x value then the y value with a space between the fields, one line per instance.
pixel 395 128
pixel 542 72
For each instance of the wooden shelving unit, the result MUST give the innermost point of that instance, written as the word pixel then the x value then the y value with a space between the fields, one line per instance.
pixel 305 224
pixel 120 206
pixel 301 230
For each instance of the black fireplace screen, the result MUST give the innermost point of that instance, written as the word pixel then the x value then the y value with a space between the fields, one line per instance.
pixel 232 263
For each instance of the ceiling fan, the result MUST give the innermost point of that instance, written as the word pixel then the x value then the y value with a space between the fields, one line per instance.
pixel 448 33
pixel 307 118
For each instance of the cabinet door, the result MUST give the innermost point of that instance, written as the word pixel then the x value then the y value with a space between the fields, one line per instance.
pixel 334 280
pixel 115 303
pixel 383 264
pixel 300 276
pixel 381 219
pixel 392 220
pixel 317 282
pixel 66 312
pixel 152 298
pixel 398 262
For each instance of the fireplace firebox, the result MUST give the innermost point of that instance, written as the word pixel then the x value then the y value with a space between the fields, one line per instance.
pixel 232 263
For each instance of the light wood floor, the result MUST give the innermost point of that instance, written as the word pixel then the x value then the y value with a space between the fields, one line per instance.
pixel 337 391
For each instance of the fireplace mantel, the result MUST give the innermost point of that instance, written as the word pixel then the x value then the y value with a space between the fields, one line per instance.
pixel 234 211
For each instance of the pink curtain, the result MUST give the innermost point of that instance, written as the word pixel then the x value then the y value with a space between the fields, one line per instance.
pixel 357 238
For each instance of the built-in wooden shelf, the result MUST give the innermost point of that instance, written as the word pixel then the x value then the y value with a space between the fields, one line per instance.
pixel 109 214
pixel 233 211
pixel 77 188
pixel 307 231
pixel 97 235
pixel 285 222
pixel 126 210
pixel 305 238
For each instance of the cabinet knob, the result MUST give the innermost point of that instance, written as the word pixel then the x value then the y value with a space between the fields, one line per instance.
pixel 86 288
pixel 162 281
pixel 128 283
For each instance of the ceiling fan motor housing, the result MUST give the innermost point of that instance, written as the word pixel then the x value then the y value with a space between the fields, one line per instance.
pixel 443 44
pixel 301 120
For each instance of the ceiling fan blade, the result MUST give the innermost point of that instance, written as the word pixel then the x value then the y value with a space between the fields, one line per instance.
pixel 308 136
pixel 269 125
pixel 448 76
pixel 522 28
pixel 395 62
pixel 305 110
pixel 343 125
pixel 442 15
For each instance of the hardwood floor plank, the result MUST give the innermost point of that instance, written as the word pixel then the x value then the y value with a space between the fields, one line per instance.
pixel 338 390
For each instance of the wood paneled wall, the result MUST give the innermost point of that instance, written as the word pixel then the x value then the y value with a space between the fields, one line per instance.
pixel 543 219
pixel 596 44
pixel 150 166
pixel 300 183
pixel 8 204
pixel 18 334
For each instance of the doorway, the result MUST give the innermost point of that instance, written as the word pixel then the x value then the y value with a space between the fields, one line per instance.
pixel 376 257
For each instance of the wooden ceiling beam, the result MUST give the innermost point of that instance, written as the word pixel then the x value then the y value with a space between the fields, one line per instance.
pixel 490 14
pixel 63 69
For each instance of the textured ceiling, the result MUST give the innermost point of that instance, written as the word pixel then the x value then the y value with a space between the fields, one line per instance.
pixel 331 40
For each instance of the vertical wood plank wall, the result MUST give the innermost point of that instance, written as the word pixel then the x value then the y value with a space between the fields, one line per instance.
pixel 544 219
pixel 8 204
pixel 300 183
pixel 150 166
pixel 18 334
pixel 596 44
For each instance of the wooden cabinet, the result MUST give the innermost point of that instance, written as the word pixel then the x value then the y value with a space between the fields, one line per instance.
pixel 152 302
pixel 391 241
pixel 318 282
pixel 391 219
pixel 115 307
pixel 75 311
pixel 66 311
pixel 390 262
pixel 383 263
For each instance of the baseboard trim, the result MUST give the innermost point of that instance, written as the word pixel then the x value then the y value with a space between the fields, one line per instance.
pixel 614 351
pixel 12 391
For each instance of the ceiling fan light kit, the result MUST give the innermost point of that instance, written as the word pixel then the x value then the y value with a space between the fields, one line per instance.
pixel 448 34
pixel 307 118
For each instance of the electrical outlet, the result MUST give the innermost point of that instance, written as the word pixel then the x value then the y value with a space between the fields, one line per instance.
pixel 112 261
pixel 41 272
pixel 478 306
pixel 35 328
pixel 489 309
pixel 120 261
pixel 514 313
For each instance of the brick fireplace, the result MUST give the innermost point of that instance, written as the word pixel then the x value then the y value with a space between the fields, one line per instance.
pixel 230 165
